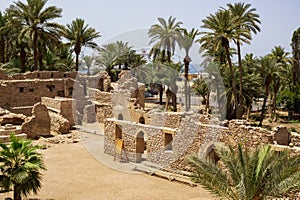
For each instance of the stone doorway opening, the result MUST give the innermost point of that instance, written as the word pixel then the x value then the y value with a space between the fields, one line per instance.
pixel 142 120
pixel 141 147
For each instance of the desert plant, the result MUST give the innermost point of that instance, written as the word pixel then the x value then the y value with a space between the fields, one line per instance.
pixel 241 174
pixel 20 166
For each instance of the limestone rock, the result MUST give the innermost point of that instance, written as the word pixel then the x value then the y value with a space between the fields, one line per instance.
pixel 7 117
pixel 59 124
pixel 282 135
pixel 39 123
pixel 89 114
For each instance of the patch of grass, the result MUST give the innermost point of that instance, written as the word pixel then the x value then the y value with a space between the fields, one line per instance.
pixel 293 129
pixel 294 121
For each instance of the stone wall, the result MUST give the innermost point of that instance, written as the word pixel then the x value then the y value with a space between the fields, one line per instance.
pixel 99 96
pixel 59 124
pixel 39 123
pixel 154 137
pixel 103 111
pixel 21 91
pixel 190 136
pixel 63 106
pixel 294 139
pixel 240 132
pixel 166 119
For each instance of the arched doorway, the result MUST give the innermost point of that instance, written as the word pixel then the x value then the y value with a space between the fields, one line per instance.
pixel 118 130
pixel 212 154
pixel 140 147
pixel 120 116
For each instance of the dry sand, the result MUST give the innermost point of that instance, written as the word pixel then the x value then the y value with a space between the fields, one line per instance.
pixel 74 174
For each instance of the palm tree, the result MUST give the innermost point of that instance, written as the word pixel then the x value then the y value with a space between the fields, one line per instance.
pixel 15 46
pixel 267 69
pixel 282 59
pixel 200 88
pixel 296 55
pixel 35 20
pixel 222 30
pixel 259 174
pixel 115 54
pixel 186 40
pixel 165 36
pixel 21 166
pixel 247 22
pixel 2 37
pixel 251 81
pixel 88 62
pixel 80 34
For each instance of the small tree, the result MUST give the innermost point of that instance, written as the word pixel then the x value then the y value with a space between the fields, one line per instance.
pixel 248 175
pixel 20 166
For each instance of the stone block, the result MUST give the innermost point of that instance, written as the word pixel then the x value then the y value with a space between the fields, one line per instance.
pixel 89 114
pixel 40 122
pixel 282 135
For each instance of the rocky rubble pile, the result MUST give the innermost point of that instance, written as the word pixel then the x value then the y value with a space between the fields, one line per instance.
pixel 7 117
pixel 70 138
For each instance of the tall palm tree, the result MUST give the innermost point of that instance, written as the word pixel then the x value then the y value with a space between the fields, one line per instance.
pixel 247 22
pixel 165 36
pixel 35 20
pixel 88 62
pixel 282 59
pixel 79 35
pixel 2 37
pixel 248 175
pixel 296 55
pixel 251 81
pixel 267 69
pixel 186 40
pixel 15 47
pixel 113 54
pixel 221 31
pixel 21 166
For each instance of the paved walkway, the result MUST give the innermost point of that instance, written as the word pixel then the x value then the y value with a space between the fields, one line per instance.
pixel 92 137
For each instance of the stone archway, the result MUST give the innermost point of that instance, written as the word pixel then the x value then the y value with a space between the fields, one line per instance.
pixel 118 131
pixel 140 146
pixel 212 154
pixel 120 116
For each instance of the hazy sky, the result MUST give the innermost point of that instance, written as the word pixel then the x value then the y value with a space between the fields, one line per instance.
pixel 114 18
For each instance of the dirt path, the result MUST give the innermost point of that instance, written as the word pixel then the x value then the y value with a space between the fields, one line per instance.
pixel 73 174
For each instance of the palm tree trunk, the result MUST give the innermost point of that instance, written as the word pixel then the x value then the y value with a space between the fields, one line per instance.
pixel 35 52
pixel 262 116
pixel 207 101
pixel 240 105
pixel 161 91
pixel 233 85
pixel 248 112
pixel 88 71
pixel 270 104
pixel 2 48
pixel 274 106
pixel 186 72
pixel 77 62
pixel 41 64
pixel 22 59
pixel 17 192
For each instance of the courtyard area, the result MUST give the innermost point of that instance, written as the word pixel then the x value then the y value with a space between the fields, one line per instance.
pixel 74 173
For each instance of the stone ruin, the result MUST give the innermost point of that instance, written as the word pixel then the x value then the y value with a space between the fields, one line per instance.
pixel 185 134
pixel 44 103
pixel 167 138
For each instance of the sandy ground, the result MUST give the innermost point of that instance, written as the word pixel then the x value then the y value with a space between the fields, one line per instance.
pixel 74 174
